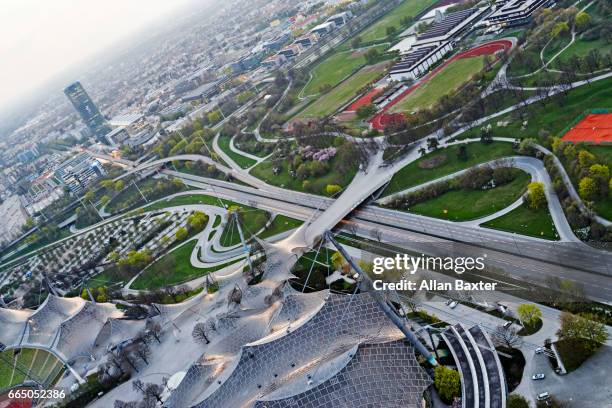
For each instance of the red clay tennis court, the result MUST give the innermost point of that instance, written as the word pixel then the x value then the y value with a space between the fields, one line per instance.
pixel 594 128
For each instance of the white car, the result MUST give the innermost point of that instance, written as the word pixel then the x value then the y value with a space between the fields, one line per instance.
pixel 507 324
pixel 543 396
pixel 539 350
pixel 452 304
pixel 539 376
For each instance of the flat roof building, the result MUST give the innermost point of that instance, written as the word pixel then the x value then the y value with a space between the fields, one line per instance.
pixel 515 12
pixel 79 172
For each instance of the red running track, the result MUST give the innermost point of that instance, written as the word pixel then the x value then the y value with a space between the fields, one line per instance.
pixel 382 119
pixel 594 128
pixel 364 100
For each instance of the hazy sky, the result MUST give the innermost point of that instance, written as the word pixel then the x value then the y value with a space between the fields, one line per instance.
pixel 41 38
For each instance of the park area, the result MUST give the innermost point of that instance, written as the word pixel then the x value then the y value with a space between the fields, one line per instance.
pixel 442 162
pixel 526 221
pixel 408 8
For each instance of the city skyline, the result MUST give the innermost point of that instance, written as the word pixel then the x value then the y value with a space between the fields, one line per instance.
pixel 41 43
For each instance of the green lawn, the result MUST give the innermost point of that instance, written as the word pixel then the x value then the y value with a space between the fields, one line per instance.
pixel 523 220
pixel 242 161
pixel 254 221
pixel 443 83
pixel 465 205
pixel 408 8
pixel 264 171
pixel 554 116
pixel 334 99
pixel 281 223
pixel 555 46
pixel 413 174
pixel 191 199
pixel 173 268
pixel 581 48
pixel 44 367
pixel 333 69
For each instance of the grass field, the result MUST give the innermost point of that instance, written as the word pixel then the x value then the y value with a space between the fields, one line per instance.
pixel 525 221
pixel 242 161
pixel 334 99
pixel 554 116
pixel 281 223
pixel 173 268
pixel 191 199
pixel 254 221
pixel 443 83
pixel 465 205
pixel 408 8
pixel 413 174
pixel 283 179
pixel 38 364
pixel 333 69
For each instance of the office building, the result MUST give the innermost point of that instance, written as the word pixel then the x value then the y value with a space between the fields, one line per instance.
pixel 79 172
pixel 87 110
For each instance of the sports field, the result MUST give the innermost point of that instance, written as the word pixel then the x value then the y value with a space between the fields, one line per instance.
pixel 333 69
pixel 443 83
pixel 18 365
pixel 594 128
pixel 408 8
pixel 330 102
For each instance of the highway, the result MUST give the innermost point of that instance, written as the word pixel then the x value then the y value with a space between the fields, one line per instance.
pixel 523 258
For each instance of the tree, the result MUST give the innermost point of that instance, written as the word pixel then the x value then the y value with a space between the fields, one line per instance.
pixel 432 143
pixel 588 188
pixel 586 159
pixel 600 171
pixel 587 327
pixel 559 29
pixel 372 55
pixel 517 401
pixel 536 197
pixel 89 195
pixel 365 111
pixel 154 329
pixel 105 199
pixel 583 19
pixel 200 333
pixel 197 220
pixel 119 185
pixel 506 337
pixel 332 189
pixel 391 31
pixel 422 151
pixel 213 117
pixel 181 233
pixel 462 153
pixel 356 42
pixel 447 383
pixel 529 313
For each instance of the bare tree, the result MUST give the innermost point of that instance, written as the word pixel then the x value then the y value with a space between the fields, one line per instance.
pixel 200 333
pixel 142 350
pixel 155 390
pixel 154 329
pixel 125 355
pixel 507 337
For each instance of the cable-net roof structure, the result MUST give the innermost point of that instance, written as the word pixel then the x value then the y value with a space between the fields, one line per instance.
pixel 13 325
pixel 43 325
pixel 329 344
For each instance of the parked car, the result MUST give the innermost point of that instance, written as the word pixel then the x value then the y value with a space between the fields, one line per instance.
pixel 507 324
pixel 539 376
pixel 452 304
pixel 539 350
pixel 543 396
